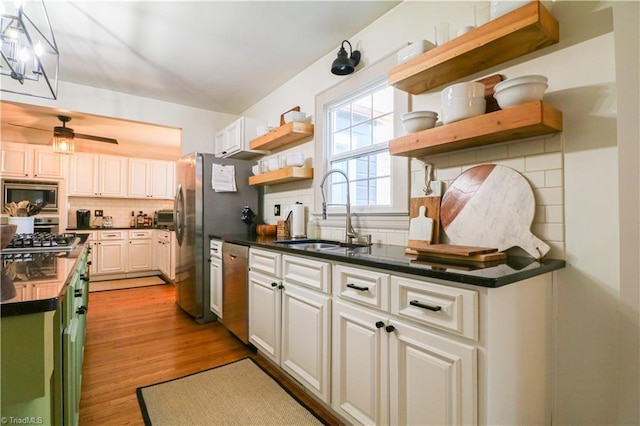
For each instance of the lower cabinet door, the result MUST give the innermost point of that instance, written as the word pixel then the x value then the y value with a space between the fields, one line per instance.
pixel 70 381
pixel 215 292
pixel 264 314
pixel 359 371
pixel 305 346
pixel 433 380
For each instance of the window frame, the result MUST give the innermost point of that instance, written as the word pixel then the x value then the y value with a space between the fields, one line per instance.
pixel 393 216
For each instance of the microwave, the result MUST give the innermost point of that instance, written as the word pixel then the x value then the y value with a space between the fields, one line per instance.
pixel 33 191
pixel 165 219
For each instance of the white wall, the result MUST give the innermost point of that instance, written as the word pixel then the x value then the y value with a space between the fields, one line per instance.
pixel 582 74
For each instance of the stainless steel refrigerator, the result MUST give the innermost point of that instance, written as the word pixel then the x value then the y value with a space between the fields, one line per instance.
pixel 201 213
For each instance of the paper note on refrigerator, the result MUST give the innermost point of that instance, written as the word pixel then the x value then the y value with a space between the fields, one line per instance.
pixel 223 178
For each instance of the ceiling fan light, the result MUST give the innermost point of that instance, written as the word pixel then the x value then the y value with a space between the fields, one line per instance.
pixel 63 145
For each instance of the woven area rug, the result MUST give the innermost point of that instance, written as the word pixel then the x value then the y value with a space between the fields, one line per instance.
pixel 239 393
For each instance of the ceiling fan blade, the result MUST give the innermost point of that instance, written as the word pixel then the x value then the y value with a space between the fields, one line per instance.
pixel 29 127
pixel 95 138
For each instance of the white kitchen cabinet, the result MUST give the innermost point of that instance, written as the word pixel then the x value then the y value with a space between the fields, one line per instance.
pixel 151 179
pixel 288 323
pixel 140 254
pixel 30 161
pixel 93 175
pixel 233 140
pixel 386 371
pixel 216 277
pixel 112 252
pixel 165 259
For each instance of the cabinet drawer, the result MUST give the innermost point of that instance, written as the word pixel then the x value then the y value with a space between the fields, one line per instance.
pixel 112 235
pixel 370 288
pixel 307 273
pixel 141 235
pixel 267 262
pixel 449 308
pixel 165 236
pixel 215 248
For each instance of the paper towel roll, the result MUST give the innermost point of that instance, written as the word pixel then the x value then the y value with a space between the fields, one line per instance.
pixel 297 221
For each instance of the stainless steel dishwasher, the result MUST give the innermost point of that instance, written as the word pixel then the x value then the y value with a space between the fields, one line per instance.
pixel 235 302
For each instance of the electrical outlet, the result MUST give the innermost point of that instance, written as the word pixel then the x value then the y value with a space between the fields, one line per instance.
pixel 276 210
pixel 98 213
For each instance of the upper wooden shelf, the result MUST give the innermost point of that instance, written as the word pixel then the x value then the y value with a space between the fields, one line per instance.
pixel 285 135
pixel 518 122
pixel 287 174
pixel 524 30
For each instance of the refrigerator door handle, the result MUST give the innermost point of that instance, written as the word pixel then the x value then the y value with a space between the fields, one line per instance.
pixel 178 209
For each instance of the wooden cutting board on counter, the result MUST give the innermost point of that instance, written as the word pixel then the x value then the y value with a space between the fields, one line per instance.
pixel 491 205
pixel 456 252
pixel 432 211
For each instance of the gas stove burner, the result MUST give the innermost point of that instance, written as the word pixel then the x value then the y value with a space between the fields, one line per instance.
pixel 40 242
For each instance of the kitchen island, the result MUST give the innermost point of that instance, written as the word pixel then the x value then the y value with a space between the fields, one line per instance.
pixel 384 337
pixel 43 330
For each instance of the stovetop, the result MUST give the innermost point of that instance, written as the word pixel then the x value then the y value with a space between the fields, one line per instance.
pixel 41 242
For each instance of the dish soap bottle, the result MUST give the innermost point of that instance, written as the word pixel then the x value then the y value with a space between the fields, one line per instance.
pixel 312 228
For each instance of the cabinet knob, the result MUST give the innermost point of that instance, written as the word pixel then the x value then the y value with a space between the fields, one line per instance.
pixel 81 310
pixel 379 324
pixel 390 328
pixel 274 284
pixel 280 287
pixel 77 292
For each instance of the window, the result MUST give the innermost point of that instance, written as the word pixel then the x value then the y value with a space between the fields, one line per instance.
pixel 358 140
pixel 355 120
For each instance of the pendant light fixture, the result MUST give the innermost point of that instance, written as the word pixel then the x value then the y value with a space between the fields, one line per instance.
pixel 63 137
pixel 344 64
pixel 30 57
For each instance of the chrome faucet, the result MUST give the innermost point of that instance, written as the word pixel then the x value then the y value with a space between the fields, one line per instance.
pixel 349 233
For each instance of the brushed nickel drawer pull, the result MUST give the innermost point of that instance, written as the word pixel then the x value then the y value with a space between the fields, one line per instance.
pixel 423 306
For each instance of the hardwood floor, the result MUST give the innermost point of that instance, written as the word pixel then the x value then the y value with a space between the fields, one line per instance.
pixel 137 337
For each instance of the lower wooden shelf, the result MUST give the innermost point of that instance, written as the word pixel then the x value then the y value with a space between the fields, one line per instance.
pixel 518 122
pixel 288 174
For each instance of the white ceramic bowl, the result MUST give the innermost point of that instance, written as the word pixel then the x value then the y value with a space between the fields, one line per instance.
pixel 469 89
pixel 522 90
pixel 419 120
pixel 501 7
pixel 296 116
pixel 255 169
pixel 295 159
pixel 456 109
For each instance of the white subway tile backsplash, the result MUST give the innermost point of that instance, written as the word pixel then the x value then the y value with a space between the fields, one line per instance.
pixel 553 178
pixel 526 147
pixel 463 157
pixel 535 179
pixel 548 196
pixel 553 143
pixel 516 164
pixel 492 153
pixel 547 161
pixel 554 214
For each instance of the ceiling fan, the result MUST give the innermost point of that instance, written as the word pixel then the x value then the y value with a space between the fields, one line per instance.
pixel 68 132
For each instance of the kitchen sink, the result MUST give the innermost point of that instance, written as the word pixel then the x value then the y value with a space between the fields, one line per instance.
pixel 317 244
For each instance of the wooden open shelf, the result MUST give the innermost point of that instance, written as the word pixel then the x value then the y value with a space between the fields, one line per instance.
pixel 288 174
pixel 521 31
pixel 285 135
pixel 518 122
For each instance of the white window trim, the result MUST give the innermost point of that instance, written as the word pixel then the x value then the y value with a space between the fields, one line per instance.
pixel 397 216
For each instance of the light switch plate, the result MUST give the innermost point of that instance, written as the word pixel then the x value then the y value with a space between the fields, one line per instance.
pixel 276 210
pixel 98 213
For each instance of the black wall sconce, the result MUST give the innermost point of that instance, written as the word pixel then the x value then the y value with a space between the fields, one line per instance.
pixel 344 64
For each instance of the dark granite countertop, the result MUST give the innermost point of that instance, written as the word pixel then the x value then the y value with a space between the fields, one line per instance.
pixel 394 259
pixel 48 272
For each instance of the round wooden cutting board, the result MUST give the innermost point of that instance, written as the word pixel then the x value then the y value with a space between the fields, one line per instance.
pixel 491 206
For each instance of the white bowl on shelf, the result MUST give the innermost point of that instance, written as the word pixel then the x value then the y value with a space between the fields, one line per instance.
pixel 297 116
pixel 462 100
pixel 295 159
pixel 520 90
pixel 417 121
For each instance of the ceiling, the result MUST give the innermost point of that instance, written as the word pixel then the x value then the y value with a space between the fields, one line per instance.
pixel 218 55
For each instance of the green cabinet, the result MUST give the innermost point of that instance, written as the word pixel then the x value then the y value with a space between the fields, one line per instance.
pixel 42 350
